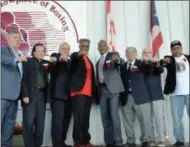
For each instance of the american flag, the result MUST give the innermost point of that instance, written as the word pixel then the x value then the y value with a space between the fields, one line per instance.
pixel 111 32
pixel 155 33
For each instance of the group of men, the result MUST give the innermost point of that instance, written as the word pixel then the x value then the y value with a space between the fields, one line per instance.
pixel 71 84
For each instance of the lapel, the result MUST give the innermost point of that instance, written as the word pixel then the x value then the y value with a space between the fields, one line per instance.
pixel 107 57
pixel 97 70
pixel 135 64
pixel 10 51
pixel 13 55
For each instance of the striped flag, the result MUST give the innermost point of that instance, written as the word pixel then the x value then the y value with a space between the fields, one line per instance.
pixel 155 33
pixel 111 32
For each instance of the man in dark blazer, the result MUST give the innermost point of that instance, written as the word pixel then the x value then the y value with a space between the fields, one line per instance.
pixel 59 69
pixel 11 76
pixel 83 91
pixel 34 89
pixel 153 82
pixel 177 85
pixel 109 85
pixel 135 99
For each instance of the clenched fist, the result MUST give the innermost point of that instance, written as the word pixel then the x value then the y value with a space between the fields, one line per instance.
pixel 53 59
pixel 166 60
pixel 26 100
pixel 22 59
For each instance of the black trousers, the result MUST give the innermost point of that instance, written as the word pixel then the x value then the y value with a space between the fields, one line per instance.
pixel 81 109
pixel 61 115
pixel 33 120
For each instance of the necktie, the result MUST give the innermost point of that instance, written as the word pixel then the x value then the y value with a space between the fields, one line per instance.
pixel 19 55
pixel 19 65
pixel 100 69
pixel 129 67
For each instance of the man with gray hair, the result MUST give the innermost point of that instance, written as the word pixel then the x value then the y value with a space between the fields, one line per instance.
pixel 135 99
pixel 83 90
pixel 11 75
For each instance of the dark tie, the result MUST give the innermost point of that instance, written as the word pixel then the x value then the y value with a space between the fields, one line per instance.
pixel 129 70
pixel 129 67
pixel 19 55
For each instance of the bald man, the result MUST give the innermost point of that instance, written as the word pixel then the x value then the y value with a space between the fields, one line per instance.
pixel 110 85
pixel 153 82
pixel 59 69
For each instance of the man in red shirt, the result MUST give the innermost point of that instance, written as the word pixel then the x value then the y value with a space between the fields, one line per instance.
pixel 83 90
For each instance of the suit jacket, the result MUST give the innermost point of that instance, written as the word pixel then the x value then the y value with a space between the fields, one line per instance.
pixel 112 75
pixel 29 78
pixel 59 78
pixel 153 81
pixel 139 88
pixel 10 75
pixel 78 74
pixel 170 83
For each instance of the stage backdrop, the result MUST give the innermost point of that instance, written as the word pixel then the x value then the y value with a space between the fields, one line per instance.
pixel 53 22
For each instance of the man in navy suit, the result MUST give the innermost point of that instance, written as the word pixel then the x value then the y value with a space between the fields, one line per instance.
pixel 11 75
pixel 135 99
pixel 153 81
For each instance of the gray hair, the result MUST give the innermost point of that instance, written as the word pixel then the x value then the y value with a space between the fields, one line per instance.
pixel 84 40
pixel 14 32
pixel 130 48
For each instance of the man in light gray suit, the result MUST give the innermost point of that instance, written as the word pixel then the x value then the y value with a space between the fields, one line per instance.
pixel 11 75
pixel 109 85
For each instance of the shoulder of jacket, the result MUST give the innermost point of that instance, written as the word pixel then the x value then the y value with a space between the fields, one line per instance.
pixel 187 56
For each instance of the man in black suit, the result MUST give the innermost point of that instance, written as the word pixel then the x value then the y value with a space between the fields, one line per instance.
pixel 83 91
pixel 34 88
pixel 59 68
pixel 153 82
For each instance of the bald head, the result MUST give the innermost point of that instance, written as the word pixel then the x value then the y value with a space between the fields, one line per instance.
pixel 147 53
pixel 103 46
pixel 131 53
pixel 64 49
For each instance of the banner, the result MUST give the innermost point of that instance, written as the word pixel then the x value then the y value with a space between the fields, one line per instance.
pixel 47 22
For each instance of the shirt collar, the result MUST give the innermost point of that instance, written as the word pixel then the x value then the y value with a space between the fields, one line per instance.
pixel 133 62
pixel 16 52
pixel 105 54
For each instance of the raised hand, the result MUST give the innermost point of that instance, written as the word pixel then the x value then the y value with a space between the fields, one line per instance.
pixel 53 59
pixel 82 53
pixel 166 60
pixel 26 100
pixel 115 57
pixel 22 58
